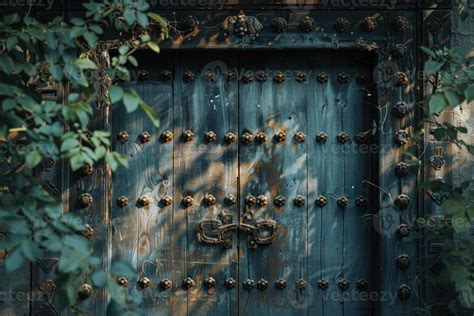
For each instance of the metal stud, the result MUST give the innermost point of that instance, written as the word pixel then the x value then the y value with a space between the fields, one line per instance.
pixel 188 136
pixel 85 291
pixel 341 25
pixel 210 137
pixel 250 200
pixel 209 76
pixel 88 231
pixel 122 136
pixel 230 199
pixel 279 201
pixel 261 76
pixel 167 200
pixel 230 76
pixel 399 23
pixel 362 79
pixel 230 283
pixel 189 76
pixel 249 284
pixel 210 282
pixel 400 109
pixel 403 262
pixel 122 281
pixel 323 284
pixel 86 170
pixel 402 201
pixel 401 78
pixel 145 137
pixel 279 25
pixel 301 284
pixel 248 77
pixel 401 169
pixel 321 201
pixel 261 138
pixel 279 77
pixel 144 282
pixel 323 78
pixel 188 25
pixel 343 201
pixel 166 284
pixel 403 230
pixel 262 200
pixel 209 199
pixel 299 201
pixel 122 201
pixel 401 138
pixel 188 283
pixel 281 283
pixel 167 136
pixel 299 137
pixel 230 138
pixel 344 284
pixel 399 50
pixel 342 137
pixel 262 284
pixel 321 138
pixel 368 24
pixel 403 292
pixel 361 201
pixel 85 199
pixel 188 201
pixel 165 75
pixel 361 138
pixel 144 201
pixel 362 285
pixel 343 77
pixel 280 137
pixel 301 76
pixel 142 75
pixel 307 24
pixel 246 138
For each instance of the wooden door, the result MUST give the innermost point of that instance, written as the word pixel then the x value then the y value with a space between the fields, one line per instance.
pixel 260 173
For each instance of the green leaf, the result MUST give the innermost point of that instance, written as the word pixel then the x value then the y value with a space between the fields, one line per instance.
pixel 30 250
pixel 132 60
pixel 12 18
pixel 32 159
pixel 123 49
pixel 469 93
pixel 437 103
pixel 155 17
pixel 130 101
pixel 129 16
pixel 453 97
pixel 433 66
pixel 77 21
pixel 142 19
pixel 99 278
pixel 151 113
pixel 85 63
pixel 91 39
pixel 122 269
pixel 115 93
pixel 69 143
pixel 153 46
pixel 56 72
pixel 428 51
pixel 460 223
pixel 6 64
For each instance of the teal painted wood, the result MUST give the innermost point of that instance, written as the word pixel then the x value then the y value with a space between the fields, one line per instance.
pixel 204 168
pixel 142 233
pixel 273 169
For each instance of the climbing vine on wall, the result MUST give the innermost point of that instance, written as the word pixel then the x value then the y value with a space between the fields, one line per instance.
pixel 68 56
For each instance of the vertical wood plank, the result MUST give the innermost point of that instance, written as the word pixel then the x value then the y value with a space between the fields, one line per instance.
pixel 274 169
pixel 206 168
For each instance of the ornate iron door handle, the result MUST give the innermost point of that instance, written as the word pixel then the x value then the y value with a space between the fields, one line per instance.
pixel 219 231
